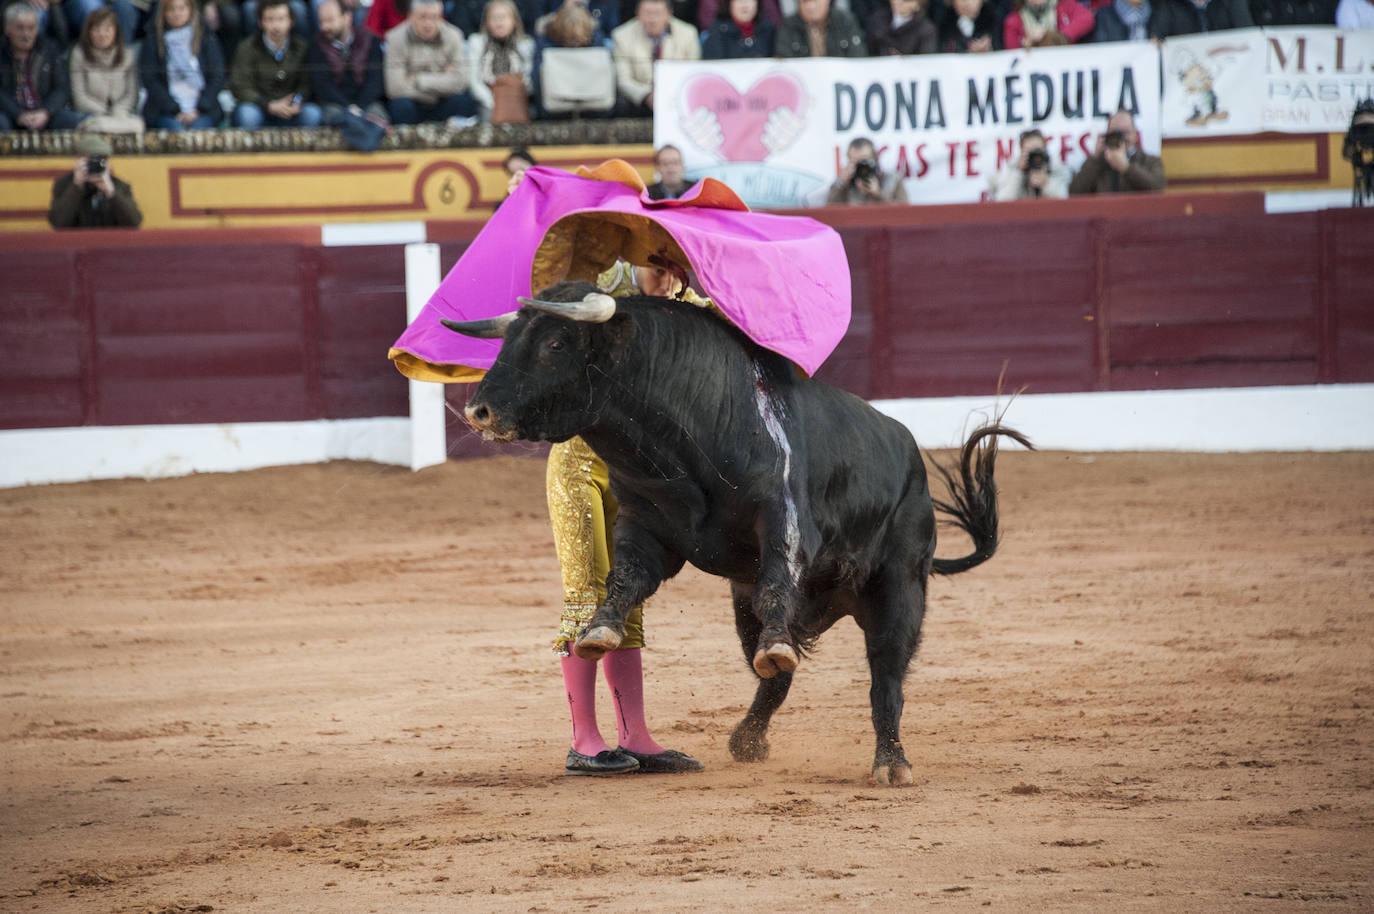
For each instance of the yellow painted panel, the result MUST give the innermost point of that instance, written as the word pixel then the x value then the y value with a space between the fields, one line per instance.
pixel 28 191
pixel 1240 160
pixel 201 191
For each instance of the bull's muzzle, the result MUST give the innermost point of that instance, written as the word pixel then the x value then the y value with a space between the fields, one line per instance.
pixel 485 423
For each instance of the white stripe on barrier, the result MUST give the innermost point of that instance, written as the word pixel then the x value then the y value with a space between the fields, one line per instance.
pixel 47 455
pixel 346 234
pixel 1324 417
pixel 1316 418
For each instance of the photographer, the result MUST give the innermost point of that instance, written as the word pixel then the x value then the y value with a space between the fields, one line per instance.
pixel 1033 173
pixel 1358 150
pixel 862 182
pixel 1118 164
pixel 91 196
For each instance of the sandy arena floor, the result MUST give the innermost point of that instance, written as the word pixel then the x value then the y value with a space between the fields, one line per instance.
pixel 329 688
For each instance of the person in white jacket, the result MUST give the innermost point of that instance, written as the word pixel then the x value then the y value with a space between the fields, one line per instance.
pixel 1034 173
pixel 500 49
pixel 423 67
pixel 1355 14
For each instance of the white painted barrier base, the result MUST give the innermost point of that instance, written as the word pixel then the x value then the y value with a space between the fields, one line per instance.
pixel 1325 417
pixel 1317 418
pixel 46 455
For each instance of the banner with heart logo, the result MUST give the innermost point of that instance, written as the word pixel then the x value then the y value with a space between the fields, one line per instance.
pixel 776 131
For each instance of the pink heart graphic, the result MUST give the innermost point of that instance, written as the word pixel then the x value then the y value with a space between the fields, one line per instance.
pixel 742 118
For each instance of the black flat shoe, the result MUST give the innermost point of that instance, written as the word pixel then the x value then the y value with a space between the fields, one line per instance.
pixel 669 761
pixel 607 761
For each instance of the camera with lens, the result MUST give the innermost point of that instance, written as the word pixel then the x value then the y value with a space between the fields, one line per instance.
pixel 1037 160
pixel 95 165
pixel 1114 139
pixel 864 170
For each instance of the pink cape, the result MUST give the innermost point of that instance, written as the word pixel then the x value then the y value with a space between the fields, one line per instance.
pixel 783 280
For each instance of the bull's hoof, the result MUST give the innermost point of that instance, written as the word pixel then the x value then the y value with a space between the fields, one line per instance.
pixel 783 655
pixel 596 641
pixel 748 745
pixel 898 774
pixel 775 658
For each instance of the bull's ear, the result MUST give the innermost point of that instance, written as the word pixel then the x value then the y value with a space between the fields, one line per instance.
pixel 486 329
pixel 620 329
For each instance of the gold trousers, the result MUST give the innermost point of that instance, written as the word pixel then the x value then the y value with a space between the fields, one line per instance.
pixel 582 511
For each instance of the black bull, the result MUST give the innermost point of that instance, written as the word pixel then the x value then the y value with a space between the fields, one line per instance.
pixel 813 504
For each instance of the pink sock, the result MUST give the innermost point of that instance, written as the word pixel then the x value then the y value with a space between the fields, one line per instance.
pixel 625 676
pixel 579 679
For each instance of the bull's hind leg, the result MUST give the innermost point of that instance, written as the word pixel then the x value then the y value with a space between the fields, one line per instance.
pixel 749 742
pixel 892 630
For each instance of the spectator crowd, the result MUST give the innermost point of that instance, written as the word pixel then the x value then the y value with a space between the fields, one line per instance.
pixel 118 66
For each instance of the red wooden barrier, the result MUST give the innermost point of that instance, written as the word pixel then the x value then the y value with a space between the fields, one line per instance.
pixel 118 327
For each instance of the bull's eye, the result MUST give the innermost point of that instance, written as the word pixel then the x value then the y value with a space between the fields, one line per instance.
pixel 555 345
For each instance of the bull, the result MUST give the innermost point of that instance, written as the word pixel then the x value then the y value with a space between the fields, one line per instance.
pixel 813 505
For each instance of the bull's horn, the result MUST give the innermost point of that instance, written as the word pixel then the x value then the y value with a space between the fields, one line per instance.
pixel 595 308
pixel 488 328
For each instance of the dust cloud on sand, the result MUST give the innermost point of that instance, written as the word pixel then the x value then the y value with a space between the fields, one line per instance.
pixel 328 688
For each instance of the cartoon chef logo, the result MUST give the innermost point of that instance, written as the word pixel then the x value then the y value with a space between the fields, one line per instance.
pixel 1198 77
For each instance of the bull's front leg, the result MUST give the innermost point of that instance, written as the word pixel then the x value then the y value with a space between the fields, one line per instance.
pixel 775 602
pixel 641 565
pixel 775 653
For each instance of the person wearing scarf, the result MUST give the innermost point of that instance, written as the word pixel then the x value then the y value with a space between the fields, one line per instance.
pixel 183 70
pixel 501 48
pixel 1042 23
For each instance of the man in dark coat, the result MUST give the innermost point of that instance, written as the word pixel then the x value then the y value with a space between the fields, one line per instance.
pixel 1123 20
pixel 970 27
pixel 269 79
pixel 345 66
pixel 90 196
pixel 903 29
pixel 1188 17
pixel 817 30
pixel 34 87
pixel 672 177
pixel 1118 164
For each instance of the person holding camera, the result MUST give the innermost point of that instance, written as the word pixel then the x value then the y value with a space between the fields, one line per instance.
pixel 1118 164
pixel 1358 150
pixel 1033 173
pixel 862 182
pixel 90 196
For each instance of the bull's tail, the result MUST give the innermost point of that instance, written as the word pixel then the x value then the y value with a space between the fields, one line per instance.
pixel 973 495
